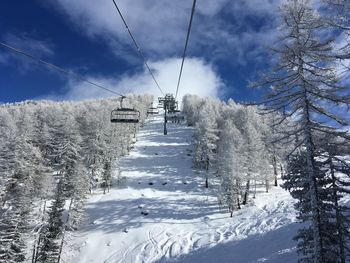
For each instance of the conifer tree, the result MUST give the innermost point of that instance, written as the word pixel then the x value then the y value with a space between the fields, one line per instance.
pixel 206 138
pixel 306 86
pixel 18 197
pixel 229 165
pixel 49 248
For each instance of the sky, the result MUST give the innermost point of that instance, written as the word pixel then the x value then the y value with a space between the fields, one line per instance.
pixel 228 47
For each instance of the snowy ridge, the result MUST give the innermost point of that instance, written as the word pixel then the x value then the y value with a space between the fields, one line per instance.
pixel 162 213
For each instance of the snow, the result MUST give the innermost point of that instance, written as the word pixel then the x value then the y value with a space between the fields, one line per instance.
pixel 163 213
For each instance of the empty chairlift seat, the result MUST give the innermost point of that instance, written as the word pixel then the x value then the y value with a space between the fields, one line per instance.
pixel 125 115
pixel 152 111
pixel 175 116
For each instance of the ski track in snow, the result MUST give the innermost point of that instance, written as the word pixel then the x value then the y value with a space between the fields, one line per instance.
pixel 184 221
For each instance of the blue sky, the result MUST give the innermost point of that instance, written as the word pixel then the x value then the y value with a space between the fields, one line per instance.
pixel 227 46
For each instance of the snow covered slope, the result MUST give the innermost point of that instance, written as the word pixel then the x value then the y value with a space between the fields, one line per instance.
pixel 163 213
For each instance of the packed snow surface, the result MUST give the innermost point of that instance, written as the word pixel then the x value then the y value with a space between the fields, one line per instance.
pixel 163 213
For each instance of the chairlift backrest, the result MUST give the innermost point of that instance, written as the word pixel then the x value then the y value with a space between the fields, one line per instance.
pixel 152 111
pixel 125 115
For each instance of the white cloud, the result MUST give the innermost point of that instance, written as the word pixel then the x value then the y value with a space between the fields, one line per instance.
pixel 198 78
pixel 157 25
pixel 255 7
pixel 36 47
pixel 222 30
pixel 160 26
pixel 24 42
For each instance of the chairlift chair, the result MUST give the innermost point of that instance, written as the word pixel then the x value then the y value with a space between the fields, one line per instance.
pixel 173 111
pixel 152 111
pixel 125 115
pixel 175 116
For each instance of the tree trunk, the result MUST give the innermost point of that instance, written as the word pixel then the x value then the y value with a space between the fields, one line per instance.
pixel 64 232
pixel 267 185
pixel 246 193
pixel 281 167
pixel 206 174
pixel 254 195
pixel 37 240
pixel 104 186
pixel 316 217
pixel 37 250
pixel 274 163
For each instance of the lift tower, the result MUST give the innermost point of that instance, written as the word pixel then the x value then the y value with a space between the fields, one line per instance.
pixel 169 105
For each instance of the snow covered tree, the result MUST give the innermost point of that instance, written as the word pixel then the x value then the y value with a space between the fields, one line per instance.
pixel 91 145
pixel 235 138
pixel 305 84
pixel 206 137
pixel 12 227
pixel 18 198
pixel 48 248
pixel 334 222
pixel 43 142
pixel 254 155
pixel 337 170
pixel 276 150
pixel 64 151
pixel 192 105
pixel 81 186
pixel 229 165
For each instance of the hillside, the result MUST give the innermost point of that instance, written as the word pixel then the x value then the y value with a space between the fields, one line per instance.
pixel 160 211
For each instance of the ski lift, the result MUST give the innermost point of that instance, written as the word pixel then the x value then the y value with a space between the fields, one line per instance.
pixel 168 102
pixel 175 116
pixel 173 107
pixel 152 111
pixel 173 110
pixel 124 115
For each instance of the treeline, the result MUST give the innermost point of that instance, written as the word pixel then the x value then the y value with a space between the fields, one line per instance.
pixel 52 155
pixel 234 143
pixel 305 113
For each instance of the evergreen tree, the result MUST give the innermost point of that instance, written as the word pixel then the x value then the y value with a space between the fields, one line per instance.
pixel 49 248
pixel 306 86
pixel 65 139
pixel 230 169
pixel 18 199
pixel 206 130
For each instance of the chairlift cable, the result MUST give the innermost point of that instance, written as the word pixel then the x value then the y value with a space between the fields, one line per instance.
pixel 138 47
pixel 185 49
pixel 59 69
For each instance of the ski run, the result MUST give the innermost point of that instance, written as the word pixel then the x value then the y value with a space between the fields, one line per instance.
pixel 158 210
